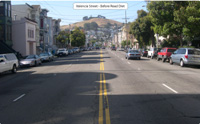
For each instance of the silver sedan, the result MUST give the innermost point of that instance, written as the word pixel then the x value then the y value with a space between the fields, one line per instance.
pixel 31 60
pixel 133 54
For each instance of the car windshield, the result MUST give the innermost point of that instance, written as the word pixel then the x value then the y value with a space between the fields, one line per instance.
pixel 30 57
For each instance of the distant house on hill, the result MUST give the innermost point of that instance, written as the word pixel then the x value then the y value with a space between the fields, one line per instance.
pixel 88 18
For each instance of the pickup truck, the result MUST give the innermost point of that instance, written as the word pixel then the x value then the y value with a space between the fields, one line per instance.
pixel 8 62
pixel 165 53
pixel 153 52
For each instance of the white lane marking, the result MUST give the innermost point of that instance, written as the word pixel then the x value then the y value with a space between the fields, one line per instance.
pixel 128 62
pixel 19 97
pixel 170 88
pixel 139 69
pixel 122 59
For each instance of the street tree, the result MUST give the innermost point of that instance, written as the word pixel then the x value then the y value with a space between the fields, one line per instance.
pixel 163 18
pixel 63 38
pixel 189 17
pixel 77 37
pixel 141 28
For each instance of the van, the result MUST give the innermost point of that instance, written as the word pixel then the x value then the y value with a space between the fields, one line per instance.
pixel 8 62
pixel 186 56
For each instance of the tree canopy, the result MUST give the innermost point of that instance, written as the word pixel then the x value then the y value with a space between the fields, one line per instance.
pixel 91 26
pixel 141 29
pixel 77 37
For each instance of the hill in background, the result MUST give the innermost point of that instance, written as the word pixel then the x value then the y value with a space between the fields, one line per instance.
pixel 100 21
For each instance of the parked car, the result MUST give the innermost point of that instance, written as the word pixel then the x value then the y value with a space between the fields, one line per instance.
pixel 76 49
pixel 70 51
pixel 31 60
pixel 153 52
pixel 8 62
pixel 85 49
pixel 44 57
pixel 186 56
pixel 97 48
pixel 113 48
pixel 133 54
pixel 51 56
pixel 62 52
pixel 144 53
pixel 165 53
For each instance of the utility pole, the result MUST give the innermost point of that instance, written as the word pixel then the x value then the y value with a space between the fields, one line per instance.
pixel 126 28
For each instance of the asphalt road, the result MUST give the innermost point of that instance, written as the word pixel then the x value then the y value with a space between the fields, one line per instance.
pixel 95 87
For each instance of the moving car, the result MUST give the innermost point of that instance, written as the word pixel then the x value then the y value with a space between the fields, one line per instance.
pixel 133 54
pixel 186 56
pixel 8 62
pixel 31 60
pixel 165 53
pixel 62 52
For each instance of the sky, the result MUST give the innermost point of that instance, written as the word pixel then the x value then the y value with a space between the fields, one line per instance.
pixel 68 15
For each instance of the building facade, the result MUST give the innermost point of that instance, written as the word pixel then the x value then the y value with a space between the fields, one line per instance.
pixel 6 23
pixel 24 40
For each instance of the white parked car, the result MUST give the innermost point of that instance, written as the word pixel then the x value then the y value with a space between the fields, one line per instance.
pixel 62 52
pixel 8 62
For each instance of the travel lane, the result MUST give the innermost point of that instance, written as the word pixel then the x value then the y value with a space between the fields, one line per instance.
pixel 185 80
pixel 62 92
pixel 136 98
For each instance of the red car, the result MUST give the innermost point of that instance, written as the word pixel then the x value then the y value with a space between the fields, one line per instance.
pixel 165 53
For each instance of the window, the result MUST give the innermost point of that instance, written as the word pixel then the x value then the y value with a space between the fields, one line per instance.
pixel 2 32
pixel 181 51
pixel 30 33
pixel 41 23
pixel 1 4
pixel 195 52
pixel 5 5
pixel 9 11
pixel 1 11
pixel 8 32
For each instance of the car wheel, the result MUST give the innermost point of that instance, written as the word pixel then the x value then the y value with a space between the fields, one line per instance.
pixel 170 61
pixel 139 58
pixel 182 63
pixel 14 69
pixel 163 59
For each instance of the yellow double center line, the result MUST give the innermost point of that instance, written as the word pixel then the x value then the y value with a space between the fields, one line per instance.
pixel 103 103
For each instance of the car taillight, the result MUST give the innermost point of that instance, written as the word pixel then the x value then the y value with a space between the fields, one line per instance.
pixel 186 56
